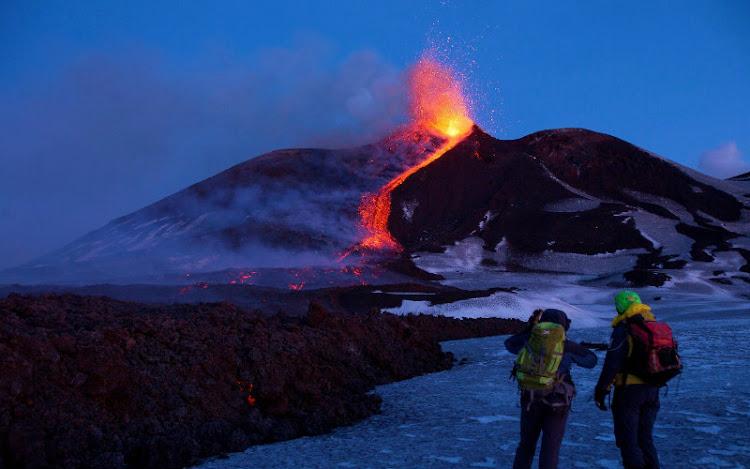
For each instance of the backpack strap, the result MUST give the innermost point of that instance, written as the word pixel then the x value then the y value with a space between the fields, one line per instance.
pixel 640 324
pixel 561 387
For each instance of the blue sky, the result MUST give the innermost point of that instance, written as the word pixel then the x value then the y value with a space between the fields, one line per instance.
pixel 106 107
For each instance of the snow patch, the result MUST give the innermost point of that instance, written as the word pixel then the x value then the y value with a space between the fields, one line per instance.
pixel 99 246
pixel 488 462
pixel 448 459
pixel 661 232
pixel 676 208
pixel 713 462
pixel 193 224
pixel 487 217
pixel 464 255
pixel 465 258
pixel 496 418
pixel 148 223
pixel 567 262
pixel 503 305
pixel 654 243
pixel 710 429
pixel 572 205
pixel 741 226
pixel 408 208
pixel 609 463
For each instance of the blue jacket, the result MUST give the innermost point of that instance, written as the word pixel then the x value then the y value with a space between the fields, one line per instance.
pixel 573 352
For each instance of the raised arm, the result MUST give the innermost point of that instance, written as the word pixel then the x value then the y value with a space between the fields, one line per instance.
pixel 580 355
pixel 515 343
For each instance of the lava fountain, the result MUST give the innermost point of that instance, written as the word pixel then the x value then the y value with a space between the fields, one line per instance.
pixel 438 108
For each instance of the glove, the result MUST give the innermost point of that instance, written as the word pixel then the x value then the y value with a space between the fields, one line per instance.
pixel 599 396
pixel 534 318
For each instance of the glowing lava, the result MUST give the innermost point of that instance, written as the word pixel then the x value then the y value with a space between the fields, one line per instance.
pixel 437 107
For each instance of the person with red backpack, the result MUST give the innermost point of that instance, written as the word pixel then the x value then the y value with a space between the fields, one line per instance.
pixel 642 357
pixel 542 369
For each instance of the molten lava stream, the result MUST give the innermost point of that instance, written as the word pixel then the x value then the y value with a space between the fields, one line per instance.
pixel 376 209
pixel 437 107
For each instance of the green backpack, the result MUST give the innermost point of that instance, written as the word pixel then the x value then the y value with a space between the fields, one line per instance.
pixel 538 361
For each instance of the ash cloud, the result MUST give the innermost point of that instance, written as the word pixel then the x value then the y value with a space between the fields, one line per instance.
pixel 724 161
pixel 112 134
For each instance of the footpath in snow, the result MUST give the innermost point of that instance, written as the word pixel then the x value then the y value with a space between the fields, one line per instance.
pixel 469 416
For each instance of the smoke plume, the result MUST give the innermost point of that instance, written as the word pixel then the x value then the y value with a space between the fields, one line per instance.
pixel 724 162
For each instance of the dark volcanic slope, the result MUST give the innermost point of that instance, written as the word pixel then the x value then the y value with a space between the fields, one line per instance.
pixel 523 191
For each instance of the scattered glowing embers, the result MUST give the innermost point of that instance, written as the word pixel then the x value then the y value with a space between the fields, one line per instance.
pixel 244 278
pixel 194 286
pixel 293 279
pixel 247 387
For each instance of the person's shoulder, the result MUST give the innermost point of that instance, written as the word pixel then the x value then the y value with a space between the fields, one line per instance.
pixel 622 326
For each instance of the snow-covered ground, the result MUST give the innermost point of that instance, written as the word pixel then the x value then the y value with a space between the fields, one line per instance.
pixel 469 416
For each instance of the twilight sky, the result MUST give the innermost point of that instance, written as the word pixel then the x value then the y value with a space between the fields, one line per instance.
pixel 106 107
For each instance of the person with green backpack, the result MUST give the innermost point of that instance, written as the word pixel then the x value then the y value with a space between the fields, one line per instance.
pixel 542 368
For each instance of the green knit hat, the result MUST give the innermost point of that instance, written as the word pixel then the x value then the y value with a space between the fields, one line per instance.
pixel 625 299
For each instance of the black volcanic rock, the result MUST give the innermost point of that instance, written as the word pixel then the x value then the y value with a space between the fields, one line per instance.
pixel 518 180
pixel 568 190
pixel 89 382
pixel 607 167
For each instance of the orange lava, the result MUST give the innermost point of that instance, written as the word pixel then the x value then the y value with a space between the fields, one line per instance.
pixel 247 387
pixel 437 107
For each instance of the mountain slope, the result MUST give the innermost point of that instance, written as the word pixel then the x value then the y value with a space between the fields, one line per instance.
pixel 576 189
pixel 569 191
pixel 602 204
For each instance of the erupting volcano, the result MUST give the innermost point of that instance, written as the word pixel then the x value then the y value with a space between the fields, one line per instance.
pixel 438 108
pixel 565 200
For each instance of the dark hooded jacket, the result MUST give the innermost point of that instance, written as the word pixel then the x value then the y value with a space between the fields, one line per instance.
pixel 619 348
pixel 573 352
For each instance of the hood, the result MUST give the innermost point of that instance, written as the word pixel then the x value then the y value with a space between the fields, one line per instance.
pixel 556 316
pixel 634 310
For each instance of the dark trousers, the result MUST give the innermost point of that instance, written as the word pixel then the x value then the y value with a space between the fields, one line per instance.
pixel 550 422
pixel 634 408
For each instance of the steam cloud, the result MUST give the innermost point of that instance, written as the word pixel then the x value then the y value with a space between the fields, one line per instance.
pixel 724 162
pixel 108 135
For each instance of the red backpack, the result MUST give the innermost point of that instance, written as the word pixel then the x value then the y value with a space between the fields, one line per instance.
pixel 653 356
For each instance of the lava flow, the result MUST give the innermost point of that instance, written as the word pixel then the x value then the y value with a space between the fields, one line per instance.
pixel 438 108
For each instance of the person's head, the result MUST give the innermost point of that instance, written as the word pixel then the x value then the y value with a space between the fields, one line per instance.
pixel 624 299
pixel 556 316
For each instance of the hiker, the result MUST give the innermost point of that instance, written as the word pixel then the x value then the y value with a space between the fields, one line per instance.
pixel 635 400
pixel 545 407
